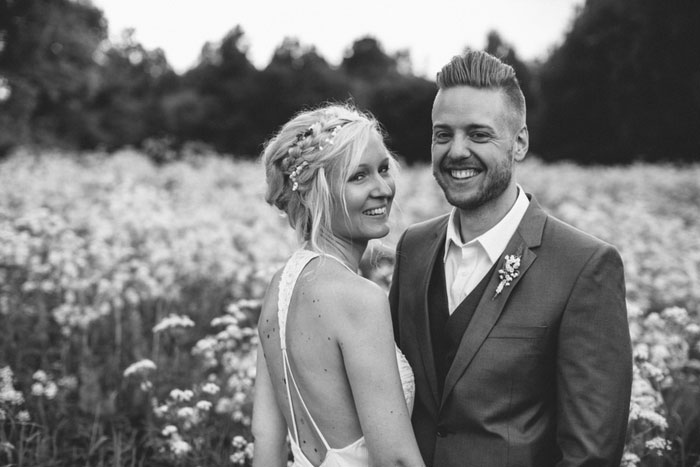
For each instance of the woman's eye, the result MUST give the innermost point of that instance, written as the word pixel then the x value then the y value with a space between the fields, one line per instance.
pixel 384 169
pixel 357 177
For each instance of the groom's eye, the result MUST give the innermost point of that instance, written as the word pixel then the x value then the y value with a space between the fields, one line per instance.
pixel 440 136
pixel 480 137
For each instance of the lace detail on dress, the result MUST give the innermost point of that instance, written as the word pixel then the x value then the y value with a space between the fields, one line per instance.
pixel 286 287
pixel 407 379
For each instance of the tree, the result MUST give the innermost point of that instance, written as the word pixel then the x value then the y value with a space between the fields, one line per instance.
pixel 506 52
pixel 126 107
pixel 221 90
pixel 46 61
pixel 624 85
pixel 296 78
pixel 403 107
pixel 367 61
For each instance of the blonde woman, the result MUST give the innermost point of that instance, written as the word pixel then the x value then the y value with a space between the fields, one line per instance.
pixel 329 375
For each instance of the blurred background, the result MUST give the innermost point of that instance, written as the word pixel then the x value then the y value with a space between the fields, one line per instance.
pixel 136 246
pixel 607 81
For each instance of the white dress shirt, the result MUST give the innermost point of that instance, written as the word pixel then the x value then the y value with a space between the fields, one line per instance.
pixel 467 263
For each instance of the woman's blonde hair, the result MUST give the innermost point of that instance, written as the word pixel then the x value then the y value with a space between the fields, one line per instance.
pixel 308 162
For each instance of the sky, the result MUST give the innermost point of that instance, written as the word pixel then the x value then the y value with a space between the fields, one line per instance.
pixel 432 30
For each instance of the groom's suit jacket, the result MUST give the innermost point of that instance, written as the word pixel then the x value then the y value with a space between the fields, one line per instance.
pixel 542 374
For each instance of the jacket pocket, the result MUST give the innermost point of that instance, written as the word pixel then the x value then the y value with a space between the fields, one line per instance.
pixel 517 332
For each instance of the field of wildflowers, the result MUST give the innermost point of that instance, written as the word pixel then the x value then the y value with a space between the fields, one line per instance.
pixel 129 294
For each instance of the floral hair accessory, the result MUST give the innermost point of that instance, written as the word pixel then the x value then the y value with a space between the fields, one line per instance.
pixel 331 137
pixel 295 173
pixel 509 272
pixel 298 167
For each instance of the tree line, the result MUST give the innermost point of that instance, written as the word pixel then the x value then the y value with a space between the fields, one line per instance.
pixel 624 85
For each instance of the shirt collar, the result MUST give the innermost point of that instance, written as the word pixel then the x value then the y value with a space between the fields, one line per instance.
pixel 494 240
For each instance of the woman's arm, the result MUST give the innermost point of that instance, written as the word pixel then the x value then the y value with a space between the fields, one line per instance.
pixel 269 427
pixel 367 343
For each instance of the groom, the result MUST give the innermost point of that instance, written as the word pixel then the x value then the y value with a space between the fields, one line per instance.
pixel 513 321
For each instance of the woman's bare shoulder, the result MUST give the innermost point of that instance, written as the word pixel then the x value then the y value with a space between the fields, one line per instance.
pixel 354 299
pixel 269 303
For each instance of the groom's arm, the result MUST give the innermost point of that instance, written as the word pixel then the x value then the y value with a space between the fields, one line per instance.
pixel 394 290
pixel 594 366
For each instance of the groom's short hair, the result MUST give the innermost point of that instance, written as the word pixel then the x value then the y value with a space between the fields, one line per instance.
pixel 479 69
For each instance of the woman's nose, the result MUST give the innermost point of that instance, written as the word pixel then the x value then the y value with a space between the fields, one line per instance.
pixel 383 186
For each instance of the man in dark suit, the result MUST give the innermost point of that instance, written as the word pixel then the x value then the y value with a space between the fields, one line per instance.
pixel 514 322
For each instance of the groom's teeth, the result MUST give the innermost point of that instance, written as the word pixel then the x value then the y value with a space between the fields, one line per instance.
pixel 462 174
pixel 375 211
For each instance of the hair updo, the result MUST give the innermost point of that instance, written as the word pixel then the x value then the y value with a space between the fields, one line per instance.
pixel 308 162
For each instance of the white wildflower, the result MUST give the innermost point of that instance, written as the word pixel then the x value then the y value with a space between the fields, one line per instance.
pixel 50 390
pixel 23 416
pixel 40 376
pixel 180 395
pixel 146 386
pixel 654 418
pixel 169 430
pixel 173 321
pixel 211 388
pixel 203 406
pixel 37 389
pixel 658 444
pixel 140 367
pixel 630 460
pixel 249 450
pixel 186 413
pixel 238 458
pixel 653 320
pixel 224 320
pixel 238 442
pixel 676 314
pixel 180 447
pixel 68 382
pixel 160 411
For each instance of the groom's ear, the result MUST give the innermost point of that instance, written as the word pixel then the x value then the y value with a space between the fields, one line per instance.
pixel 521 144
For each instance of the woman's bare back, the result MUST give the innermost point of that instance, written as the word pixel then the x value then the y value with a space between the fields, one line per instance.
pixel 315 325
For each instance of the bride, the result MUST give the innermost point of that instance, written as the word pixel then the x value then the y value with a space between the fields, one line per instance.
pixel 329 374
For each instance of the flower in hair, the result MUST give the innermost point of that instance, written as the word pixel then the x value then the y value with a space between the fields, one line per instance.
pixel 295 173
pixel 300 166
pixel 331 137
pixel 305 134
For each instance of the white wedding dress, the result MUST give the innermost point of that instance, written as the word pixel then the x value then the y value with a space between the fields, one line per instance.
pixel 355 454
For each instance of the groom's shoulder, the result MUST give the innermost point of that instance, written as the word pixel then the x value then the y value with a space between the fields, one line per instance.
pixel 427 229
pixel 558 231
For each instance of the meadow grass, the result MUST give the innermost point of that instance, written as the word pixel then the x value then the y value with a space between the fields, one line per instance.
pixel 129 294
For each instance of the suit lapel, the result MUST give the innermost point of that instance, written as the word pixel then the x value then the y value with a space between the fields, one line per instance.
pixel 526 237
pixel 426 261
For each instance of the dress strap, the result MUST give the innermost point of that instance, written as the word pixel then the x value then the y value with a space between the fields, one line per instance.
pixel 290 274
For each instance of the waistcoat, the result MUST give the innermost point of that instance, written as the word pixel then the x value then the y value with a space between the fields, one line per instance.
pixel 446 330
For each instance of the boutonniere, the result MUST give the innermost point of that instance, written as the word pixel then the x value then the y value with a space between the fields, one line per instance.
pixel 509 272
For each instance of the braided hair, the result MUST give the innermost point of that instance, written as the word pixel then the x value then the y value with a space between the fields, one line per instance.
pixel 308 161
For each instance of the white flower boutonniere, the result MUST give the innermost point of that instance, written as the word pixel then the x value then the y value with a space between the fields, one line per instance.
pixel 508 273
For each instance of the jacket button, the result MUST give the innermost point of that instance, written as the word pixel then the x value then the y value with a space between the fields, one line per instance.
pixel 441 432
